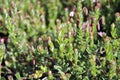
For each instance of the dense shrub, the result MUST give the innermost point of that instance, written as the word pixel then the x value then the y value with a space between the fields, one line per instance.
pixel 60 39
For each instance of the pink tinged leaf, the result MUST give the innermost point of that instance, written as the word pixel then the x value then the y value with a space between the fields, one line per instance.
pixel 85 10
pixel 13 4
pixel 13 20
pixel 84 27
pixel 90 28
pixel 21 17
pixel 72 32
pixel 103 20
pixel 33 61
pixel 98 26
pixel 98 5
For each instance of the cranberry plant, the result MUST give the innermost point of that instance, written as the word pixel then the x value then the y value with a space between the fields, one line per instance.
pixel 59 39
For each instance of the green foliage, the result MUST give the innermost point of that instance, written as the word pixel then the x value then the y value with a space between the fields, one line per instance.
pixel 59 39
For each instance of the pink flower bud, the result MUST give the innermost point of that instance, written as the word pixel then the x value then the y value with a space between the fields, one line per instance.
pixel 71 13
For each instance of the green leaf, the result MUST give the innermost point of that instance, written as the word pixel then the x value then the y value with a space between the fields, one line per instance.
pixel 18 75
